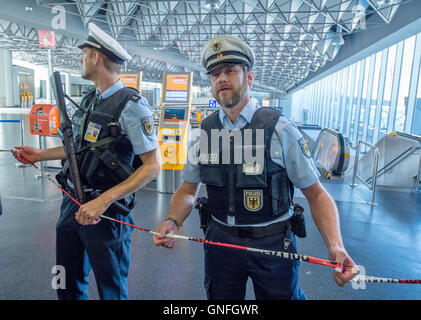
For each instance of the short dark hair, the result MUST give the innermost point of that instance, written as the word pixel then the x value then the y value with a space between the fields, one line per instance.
pixel 246 68
pixel 111 66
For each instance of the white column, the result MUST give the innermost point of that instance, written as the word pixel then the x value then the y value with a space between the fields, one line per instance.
pixel 49 95
pixel 6 78
pixel 68 86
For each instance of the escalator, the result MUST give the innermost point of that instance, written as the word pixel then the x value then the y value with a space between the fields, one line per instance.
pixel 330 150
pixel 399 162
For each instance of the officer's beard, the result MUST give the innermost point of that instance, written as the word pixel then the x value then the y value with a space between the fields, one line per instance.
pixel 237 96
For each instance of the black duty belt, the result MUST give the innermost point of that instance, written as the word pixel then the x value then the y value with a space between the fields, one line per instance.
pixel 255 232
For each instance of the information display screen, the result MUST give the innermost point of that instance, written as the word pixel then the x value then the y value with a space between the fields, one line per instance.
pixel 174 95
pixel 174 115
pixel 177 88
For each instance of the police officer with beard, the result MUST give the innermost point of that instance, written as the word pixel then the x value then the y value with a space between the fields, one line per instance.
pixel 251 204
pixel 117 154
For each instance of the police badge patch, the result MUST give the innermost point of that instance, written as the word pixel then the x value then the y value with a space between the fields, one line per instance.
pixel 147 125
pixel 304 147
pixel 253 200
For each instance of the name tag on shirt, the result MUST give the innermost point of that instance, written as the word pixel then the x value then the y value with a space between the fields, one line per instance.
pixel 252 168
pixel 92 133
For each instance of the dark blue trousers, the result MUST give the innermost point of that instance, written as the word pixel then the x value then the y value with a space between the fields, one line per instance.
pixel 103 248
pixel 227 270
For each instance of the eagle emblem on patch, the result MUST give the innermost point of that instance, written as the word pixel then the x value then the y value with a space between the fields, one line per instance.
pixel 147 125
pixel 304 147
pixel 217 46
pixel 253 200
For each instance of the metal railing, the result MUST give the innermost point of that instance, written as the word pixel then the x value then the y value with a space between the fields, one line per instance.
pixel 402 156
pixel 355 175
pixel 418 139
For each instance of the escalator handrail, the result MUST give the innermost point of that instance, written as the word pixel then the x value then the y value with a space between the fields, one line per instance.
pixel 394 162
pixel 409 136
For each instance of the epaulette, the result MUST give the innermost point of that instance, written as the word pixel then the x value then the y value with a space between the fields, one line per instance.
pixel 135 98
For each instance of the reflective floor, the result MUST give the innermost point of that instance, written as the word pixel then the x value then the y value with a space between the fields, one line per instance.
pixel 384 240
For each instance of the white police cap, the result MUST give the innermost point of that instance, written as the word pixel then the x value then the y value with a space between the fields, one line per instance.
pixel 105 44
pixel 226 50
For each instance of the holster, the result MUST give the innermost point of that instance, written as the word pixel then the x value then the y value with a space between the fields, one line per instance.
pixel 203 207
pixel 298 225
pixel 61 178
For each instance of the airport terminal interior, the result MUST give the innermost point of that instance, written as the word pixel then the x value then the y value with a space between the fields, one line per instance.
pixel 346 72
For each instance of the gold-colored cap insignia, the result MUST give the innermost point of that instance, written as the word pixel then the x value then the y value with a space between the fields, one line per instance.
pixel 217 46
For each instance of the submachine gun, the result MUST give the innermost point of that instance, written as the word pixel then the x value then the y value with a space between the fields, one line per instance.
pixel 67 136
pixel 66 133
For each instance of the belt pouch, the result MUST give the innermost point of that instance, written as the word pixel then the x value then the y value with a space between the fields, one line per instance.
pixel 280 194
pixel 121 170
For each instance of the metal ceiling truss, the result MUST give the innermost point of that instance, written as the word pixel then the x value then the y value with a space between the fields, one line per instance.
pixel 289 37
pixel 24 44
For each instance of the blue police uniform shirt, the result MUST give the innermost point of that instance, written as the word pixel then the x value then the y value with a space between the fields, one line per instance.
pixel 131 120
pixel 285 150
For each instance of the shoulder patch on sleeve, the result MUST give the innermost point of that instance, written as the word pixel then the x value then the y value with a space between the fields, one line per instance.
pixel 147 125
pixel 304 147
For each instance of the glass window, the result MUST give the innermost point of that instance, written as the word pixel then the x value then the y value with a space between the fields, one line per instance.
pixel 416 125
pixel 325 85
pixel 321 101
pixel 364 97
pixel 337 115
pixel 354 98
pixel 318 101
pixel 334 100
pixel 342 101
pixel 408 56
pixel 338 99
pixel 374 94
pixel 312 103
pixel 326 105
pixel 348 97
pixel 387 90
pixel 330 102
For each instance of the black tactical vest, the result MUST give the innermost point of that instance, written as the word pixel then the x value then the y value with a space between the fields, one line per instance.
pixel 110 159
pixel 251 194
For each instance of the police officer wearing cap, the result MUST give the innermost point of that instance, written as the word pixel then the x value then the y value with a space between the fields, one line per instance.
pixel 251 206
pixel 117 155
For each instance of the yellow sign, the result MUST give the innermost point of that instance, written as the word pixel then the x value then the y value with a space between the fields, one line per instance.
pixel 177 82
pixel 130 80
